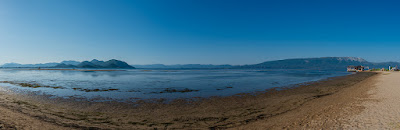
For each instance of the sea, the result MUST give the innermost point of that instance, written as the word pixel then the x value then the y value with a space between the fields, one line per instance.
pixel 138 84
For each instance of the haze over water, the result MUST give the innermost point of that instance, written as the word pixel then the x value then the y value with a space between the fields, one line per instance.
pixel 146 84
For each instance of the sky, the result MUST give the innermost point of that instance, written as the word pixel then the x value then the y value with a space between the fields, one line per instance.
pixel 197 31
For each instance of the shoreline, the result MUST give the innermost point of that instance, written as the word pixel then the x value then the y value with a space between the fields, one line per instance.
pixel 215 112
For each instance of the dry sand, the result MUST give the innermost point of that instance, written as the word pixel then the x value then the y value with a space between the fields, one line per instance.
pixel 328 112
pixel 382 108
pixel 334 103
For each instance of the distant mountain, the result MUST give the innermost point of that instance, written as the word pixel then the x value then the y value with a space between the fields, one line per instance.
pixel 95 61
pixel 184 66
pixel 70 62
pixel 98 64
pixel 116 64
pixel 16 65
pixel 87 64
pixel 12 65
pixel 62 65
pixel 74 64
pixel 318 63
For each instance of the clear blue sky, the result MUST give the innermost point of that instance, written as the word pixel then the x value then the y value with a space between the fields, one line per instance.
pixel 197 31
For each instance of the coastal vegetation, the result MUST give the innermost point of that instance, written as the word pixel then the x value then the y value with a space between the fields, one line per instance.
pixel 376 69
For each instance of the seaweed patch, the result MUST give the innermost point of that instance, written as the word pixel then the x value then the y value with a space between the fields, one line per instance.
pixel 32 85
pixel 171 90
pixel 95 90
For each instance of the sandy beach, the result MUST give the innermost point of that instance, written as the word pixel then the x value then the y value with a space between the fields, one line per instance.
pixel 382 108
pixel 365 100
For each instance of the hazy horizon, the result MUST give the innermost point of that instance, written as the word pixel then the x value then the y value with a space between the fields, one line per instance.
pixel 196 32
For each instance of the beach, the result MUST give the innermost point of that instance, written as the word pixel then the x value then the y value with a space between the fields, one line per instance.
pixel 346 102
pixel 381 108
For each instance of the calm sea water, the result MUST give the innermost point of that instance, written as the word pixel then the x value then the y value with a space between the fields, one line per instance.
pixel 145 84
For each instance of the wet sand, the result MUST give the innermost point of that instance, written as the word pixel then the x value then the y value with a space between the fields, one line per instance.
pixel 315 105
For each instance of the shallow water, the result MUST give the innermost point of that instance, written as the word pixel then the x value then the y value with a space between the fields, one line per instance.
pixel 146 84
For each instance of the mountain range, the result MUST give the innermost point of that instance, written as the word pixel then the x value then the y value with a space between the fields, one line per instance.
pixel 184 66
pixel 95 64
pixel 15 65
pixel 299 63
pixel 75 64
pixel 319 63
